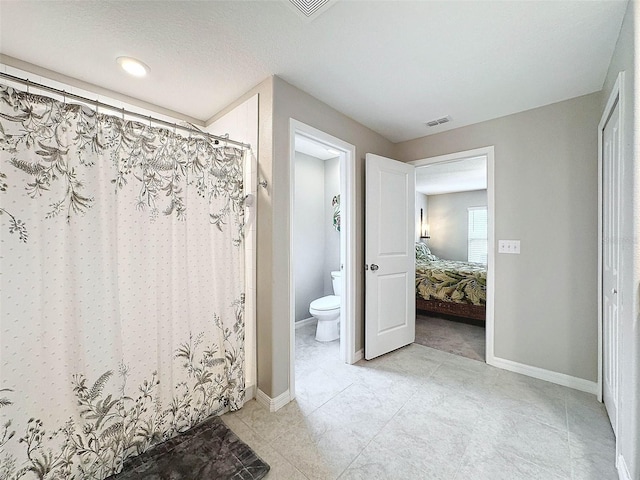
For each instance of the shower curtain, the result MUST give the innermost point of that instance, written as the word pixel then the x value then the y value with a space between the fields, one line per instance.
pixel 121 294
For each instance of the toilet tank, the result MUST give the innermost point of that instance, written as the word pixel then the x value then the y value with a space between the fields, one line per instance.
pixel 336 280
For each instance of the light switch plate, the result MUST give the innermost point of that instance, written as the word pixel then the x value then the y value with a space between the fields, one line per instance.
pixel 509 246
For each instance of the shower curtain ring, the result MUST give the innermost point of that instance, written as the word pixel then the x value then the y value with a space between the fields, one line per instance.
pixel 123 114
pixel 28 84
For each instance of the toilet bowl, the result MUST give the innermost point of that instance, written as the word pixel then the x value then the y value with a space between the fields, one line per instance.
pixel 327 311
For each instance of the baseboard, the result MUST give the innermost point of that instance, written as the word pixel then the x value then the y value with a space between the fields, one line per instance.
pixel 249 392
pixel 623 471
pixel 547 375
pixel 358 356
pixel 263 399
pixel 273 404
pixel 306 321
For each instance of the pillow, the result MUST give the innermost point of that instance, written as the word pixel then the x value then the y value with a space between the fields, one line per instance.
pixel 423 253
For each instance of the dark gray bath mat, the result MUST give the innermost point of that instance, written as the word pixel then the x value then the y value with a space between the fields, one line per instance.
pixel 208 451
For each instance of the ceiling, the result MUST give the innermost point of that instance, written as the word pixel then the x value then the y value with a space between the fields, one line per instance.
pixel 390 65
pixel 451 177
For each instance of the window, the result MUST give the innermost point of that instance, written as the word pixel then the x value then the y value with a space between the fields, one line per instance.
pixel 477 235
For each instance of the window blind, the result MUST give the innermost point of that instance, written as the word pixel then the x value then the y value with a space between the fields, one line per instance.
pixel 477 235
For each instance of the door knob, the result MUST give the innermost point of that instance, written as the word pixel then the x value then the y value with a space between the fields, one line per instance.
pixel 374 267
pixel 614 291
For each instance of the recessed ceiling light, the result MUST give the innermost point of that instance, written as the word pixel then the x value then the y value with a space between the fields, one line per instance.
pixel 132 66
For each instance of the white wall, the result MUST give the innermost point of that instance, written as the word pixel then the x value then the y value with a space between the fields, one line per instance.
pixel 546 196
pixel 625 59
pixel 316 242
pixel 332 236
pixel 309 220
pixel 449 222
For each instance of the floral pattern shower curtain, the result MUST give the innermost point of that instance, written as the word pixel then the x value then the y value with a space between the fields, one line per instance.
pixel 121 270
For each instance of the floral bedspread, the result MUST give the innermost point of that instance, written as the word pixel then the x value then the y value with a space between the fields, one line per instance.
pixel 451 281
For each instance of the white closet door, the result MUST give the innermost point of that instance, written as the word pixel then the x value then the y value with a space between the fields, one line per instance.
pixel 611 151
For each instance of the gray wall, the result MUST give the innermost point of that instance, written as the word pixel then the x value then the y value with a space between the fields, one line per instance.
pixel 309 233
pixel 290 102
pixel 545 166
pixel 449 222
pixel 546 196
pixel 278 103
pixel 331 235
pixel 629 407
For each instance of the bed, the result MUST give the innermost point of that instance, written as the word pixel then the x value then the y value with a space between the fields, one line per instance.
pixel 450 287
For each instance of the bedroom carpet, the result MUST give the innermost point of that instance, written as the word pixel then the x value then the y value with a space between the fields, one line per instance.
pixel 207 451
pixel 451 336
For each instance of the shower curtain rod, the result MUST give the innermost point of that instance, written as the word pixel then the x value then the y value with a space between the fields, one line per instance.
pixel 216 139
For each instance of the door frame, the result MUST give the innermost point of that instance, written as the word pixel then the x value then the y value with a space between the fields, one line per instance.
pixel 487 152
pixel 347 151
pixel 615 98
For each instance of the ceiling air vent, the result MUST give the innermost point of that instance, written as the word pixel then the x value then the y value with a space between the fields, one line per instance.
pixel 439 121
pixel 310 9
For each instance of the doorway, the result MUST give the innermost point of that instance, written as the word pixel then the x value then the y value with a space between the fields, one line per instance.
pixel 340 267
pixel 486 155
pixel 451 256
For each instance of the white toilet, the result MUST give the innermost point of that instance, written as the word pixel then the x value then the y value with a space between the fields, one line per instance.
pixel 327 311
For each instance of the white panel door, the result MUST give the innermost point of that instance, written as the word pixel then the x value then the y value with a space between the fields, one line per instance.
pixel 611 176
pixel 390 306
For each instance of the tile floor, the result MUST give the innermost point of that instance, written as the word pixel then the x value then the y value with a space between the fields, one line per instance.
pixel 420 413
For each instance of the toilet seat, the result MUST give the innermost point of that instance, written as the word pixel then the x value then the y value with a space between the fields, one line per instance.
pixel 323 304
